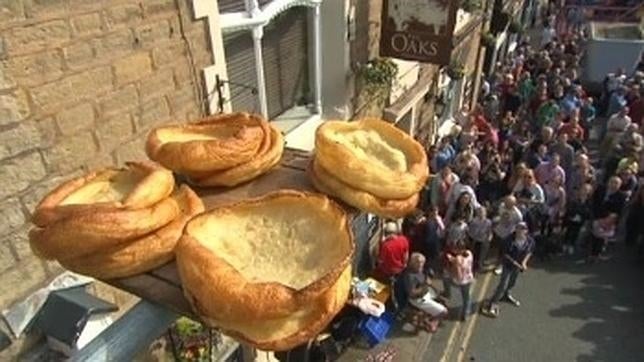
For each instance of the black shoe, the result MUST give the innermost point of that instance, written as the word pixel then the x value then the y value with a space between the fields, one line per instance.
pixel 512 300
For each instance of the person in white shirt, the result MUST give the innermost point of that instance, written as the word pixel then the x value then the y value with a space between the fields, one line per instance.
pixel 505 223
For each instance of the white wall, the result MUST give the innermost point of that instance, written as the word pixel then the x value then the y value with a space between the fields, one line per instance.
pixel 606 55
pixel 335 59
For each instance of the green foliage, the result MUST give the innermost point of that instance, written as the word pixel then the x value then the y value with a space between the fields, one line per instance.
pixel 456 70
pixel 488 39
pixel 470 6
pixel 515 27
pixel 378 73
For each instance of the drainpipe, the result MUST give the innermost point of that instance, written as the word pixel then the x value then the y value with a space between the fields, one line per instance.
pixel 258 33
pixel 317 59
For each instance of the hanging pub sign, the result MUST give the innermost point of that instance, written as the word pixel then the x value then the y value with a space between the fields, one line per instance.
pixel 418 30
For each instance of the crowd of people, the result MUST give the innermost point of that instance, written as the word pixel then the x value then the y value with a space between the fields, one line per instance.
pixel 539 167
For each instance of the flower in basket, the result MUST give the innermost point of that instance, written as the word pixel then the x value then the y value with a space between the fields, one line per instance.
pixel 488 39
pixel 515 27
pixel 470 6
pixel 456 71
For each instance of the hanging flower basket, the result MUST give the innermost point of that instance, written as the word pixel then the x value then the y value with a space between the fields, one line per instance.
pixel 455 71
pixel 515 27
pixel 470 6
pixel 488 39
pixel 379 72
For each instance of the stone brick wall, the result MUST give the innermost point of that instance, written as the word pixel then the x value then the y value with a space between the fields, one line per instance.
pixel 81 83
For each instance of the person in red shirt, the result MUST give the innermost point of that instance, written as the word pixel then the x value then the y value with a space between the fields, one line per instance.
pixel 393 254
pixel 573 129
pixel 636 108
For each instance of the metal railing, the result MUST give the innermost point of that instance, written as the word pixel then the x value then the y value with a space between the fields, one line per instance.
pixel 608 12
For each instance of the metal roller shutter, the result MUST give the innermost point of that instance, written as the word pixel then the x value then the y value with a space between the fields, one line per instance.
pixel 284 48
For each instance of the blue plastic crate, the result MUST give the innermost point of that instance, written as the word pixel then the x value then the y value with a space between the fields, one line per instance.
pixel 374 329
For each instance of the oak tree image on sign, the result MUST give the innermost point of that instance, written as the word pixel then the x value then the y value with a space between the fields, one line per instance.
pixel 418 30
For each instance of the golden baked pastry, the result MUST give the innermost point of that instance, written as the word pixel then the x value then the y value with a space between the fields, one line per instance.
pixel 214 143
pixel 266 259
pixel 387 208
pixel 281 334
pixel 143 254
pixel 139 185
pixel 103 209
pixel 373 156
pixel 264 161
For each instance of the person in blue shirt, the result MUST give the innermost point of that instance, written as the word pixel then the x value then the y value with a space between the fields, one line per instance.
pixel 570 103
pixel 516 252
pixel 444 155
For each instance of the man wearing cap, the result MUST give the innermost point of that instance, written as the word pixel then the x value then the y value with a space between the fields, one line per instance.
pixel 516 253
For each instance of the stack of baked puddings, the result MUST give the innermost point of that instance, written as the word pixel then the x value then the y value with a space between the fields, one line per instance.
pixel 271 271
pixel 114 222
pixel 369 164
pixel 222 150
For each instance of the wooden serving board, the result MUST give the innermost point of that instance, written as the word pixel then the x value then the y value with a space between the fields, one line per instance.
pixel 162 285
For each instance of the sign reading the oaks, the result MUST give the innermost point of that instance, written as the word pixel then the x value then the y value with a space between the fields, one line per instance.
pixel 418 30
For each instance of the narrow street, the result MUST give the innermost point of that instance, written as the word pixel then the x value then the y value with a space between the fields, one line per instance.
pixel 572 311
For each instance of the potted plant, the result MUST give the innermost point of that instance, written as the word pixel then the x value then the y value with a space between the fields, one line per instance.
pixel 515 27
pixel 455 71
pixel 378 73
pixel 470 6
pixel 488 39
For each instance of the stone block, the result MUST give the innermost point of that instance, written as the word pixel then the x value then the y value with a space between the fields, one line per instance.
pixel 99 161
pixel 18 282
pixel 11 10
pixel 36 37
pixel 153 33
pixel 54 95
pixel 87 24
pixel 154 7
pixel 19 242
pixel 21 137
pixel 16 174
pixel 14 107
pixel 183 75
pixel 132 68
pixel 123 15
pixel 160 83
pixel 181 99
pixel 44 8
pixel 11 215
pixel 79 55
pixel 71 153
pixel 153 113
pixel 7 258
pixel 36 68
pixel 115 44
pixel 92 83
pixel 168 53
pixel 124 99
pixel 131 150
pixel 77 118
pixel 114 131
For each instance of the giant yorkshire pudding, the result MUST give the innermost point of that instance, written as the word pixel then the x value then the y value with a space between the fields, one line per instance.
pixel 281 334
pixel 374 156
pixel 263 162
pixel 214 143
pixel 139 185
pixel 143 254
pixel 266 258
pixel 90 232
pixel 329 184
pixel 103 209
